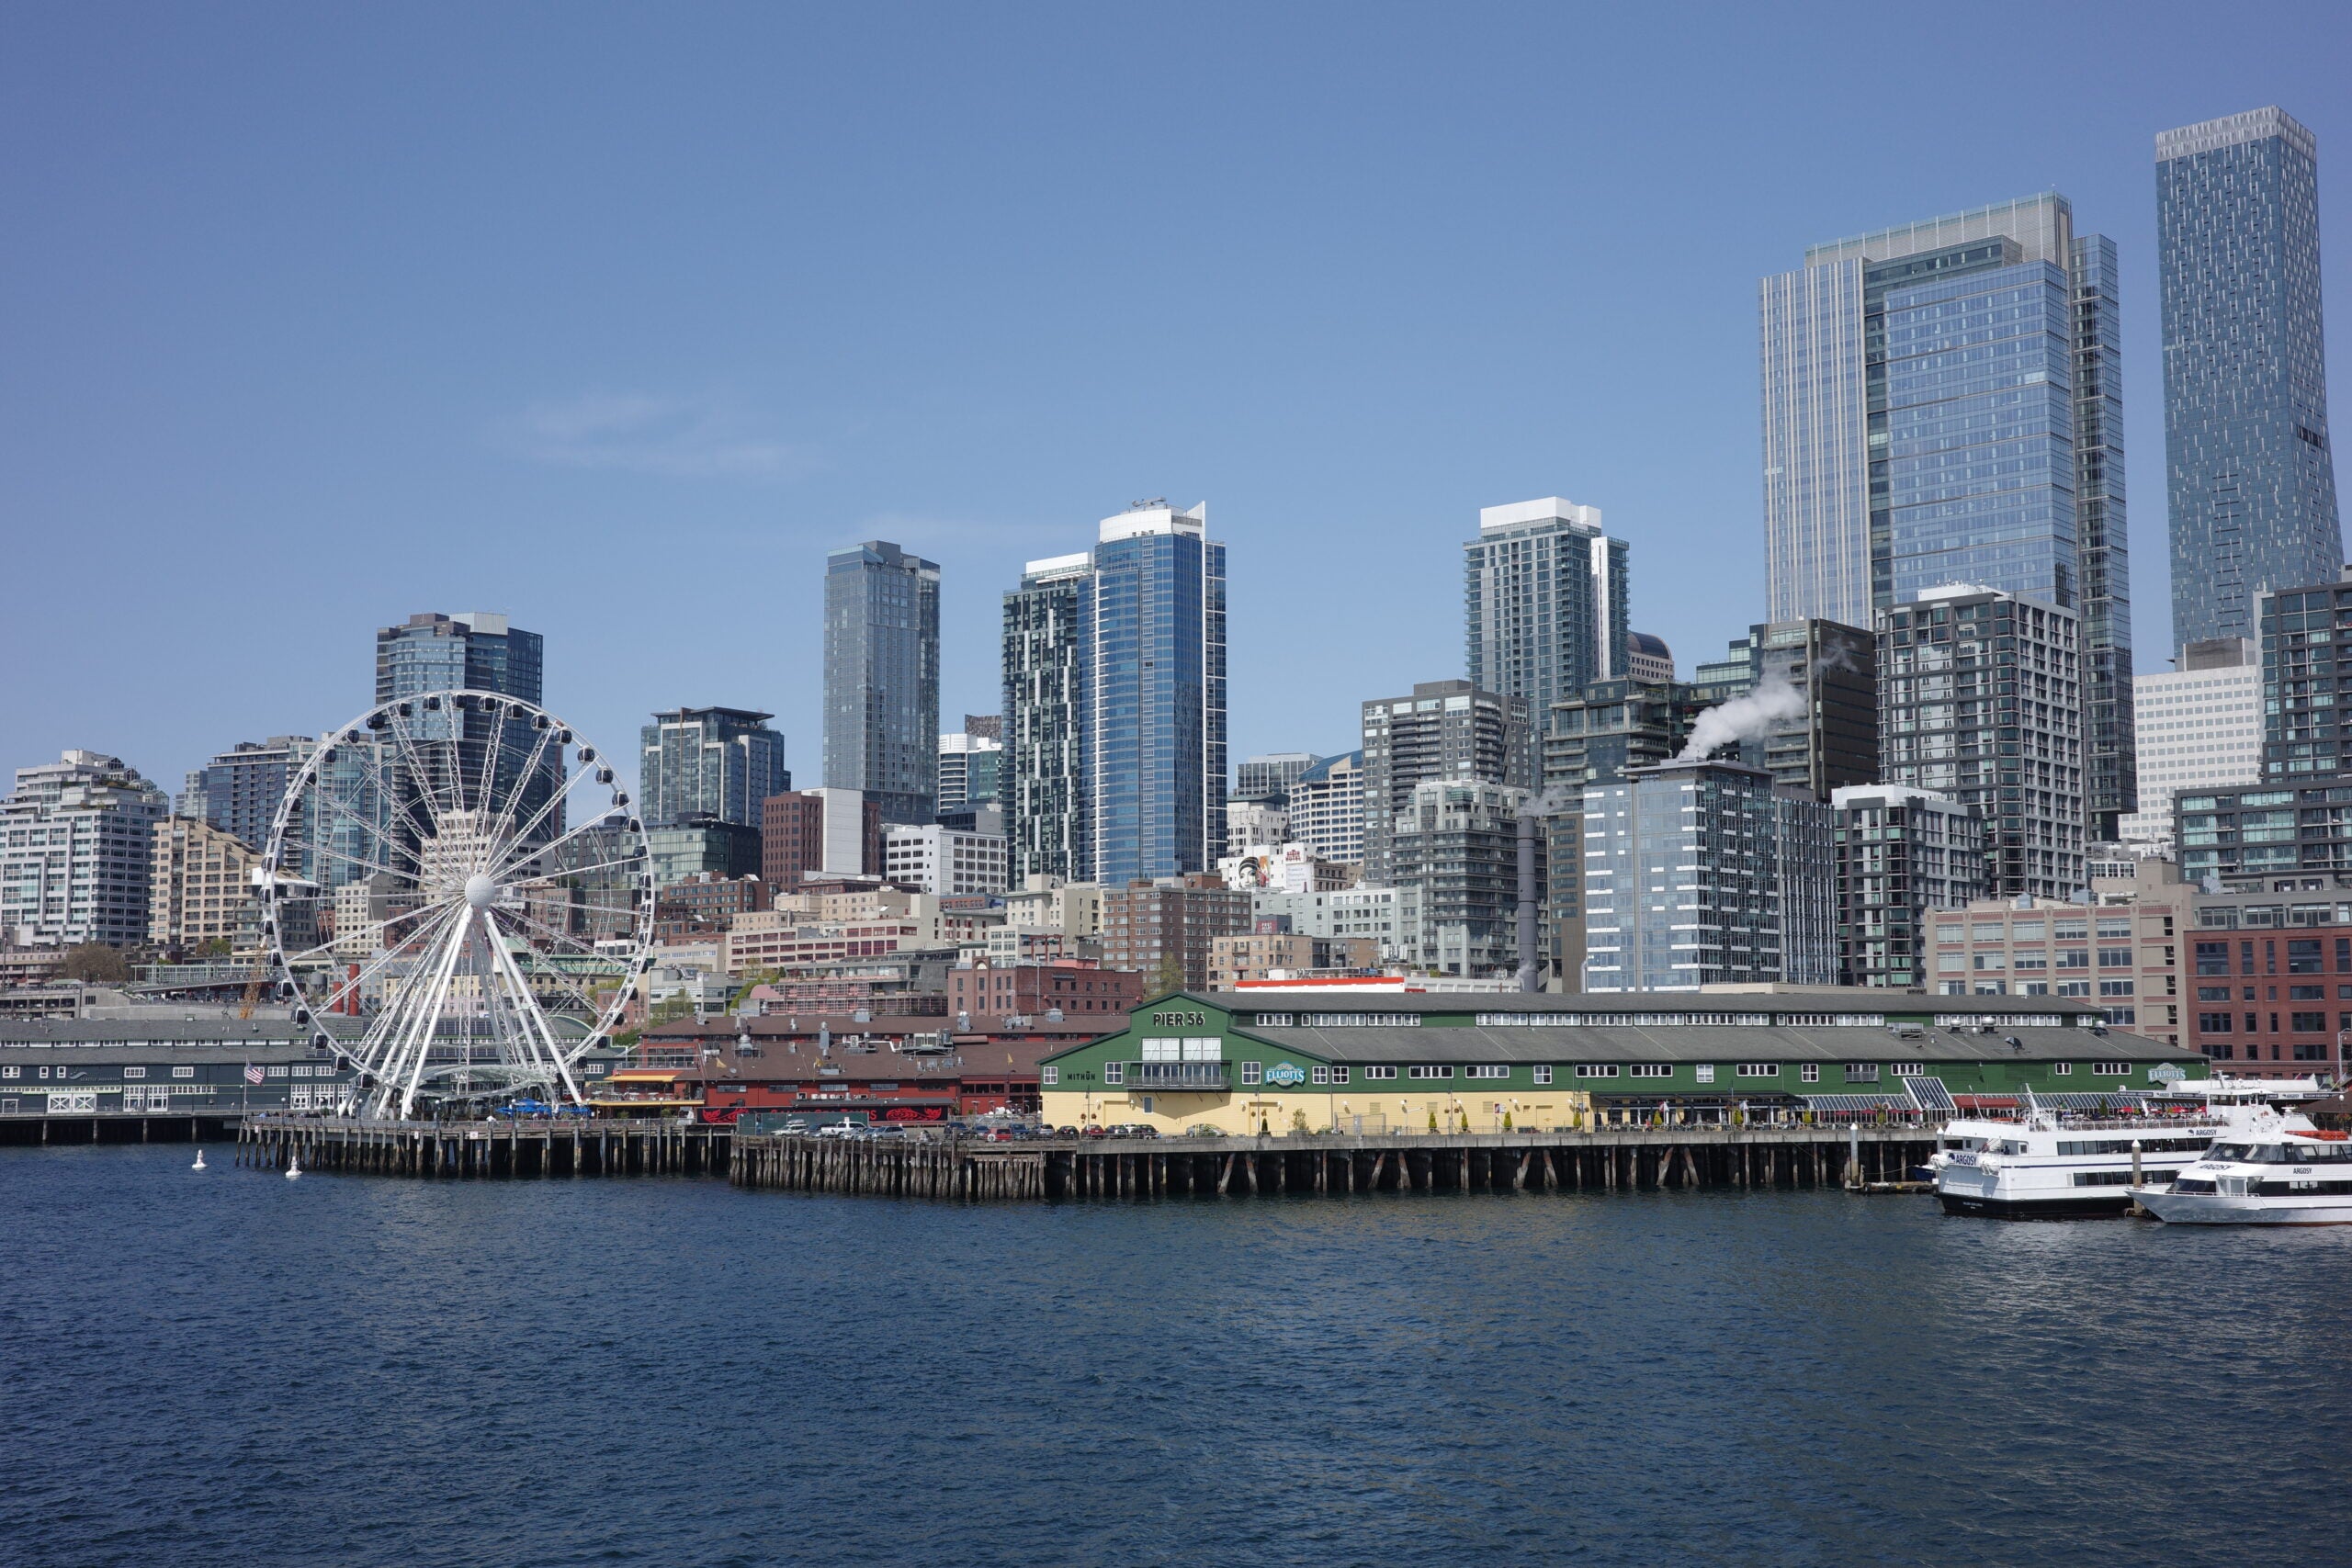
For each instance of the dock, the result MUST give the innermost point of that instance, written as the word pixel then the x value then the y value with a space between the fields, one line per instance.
pixel 502 1148
pixel 1609 1160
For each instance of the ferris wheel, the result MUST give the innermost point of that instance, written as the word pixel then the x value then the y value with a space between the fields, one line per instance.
pixel 458 895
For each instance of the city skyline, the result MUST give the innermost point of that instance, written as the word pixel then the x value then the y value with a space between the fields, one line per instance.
pixel 704 455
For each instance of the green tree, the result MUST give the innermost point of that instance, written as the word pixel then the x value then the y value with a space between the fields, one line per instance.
pixel 1169 977
pixel 96 962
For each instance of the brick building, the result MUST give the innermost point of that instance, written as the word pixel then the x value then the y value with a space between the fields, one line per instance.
pixel 1254 956
pixel 704 905
pixel 1082 990
pixel 819 832
pixel 1162 930
pixel 2270 978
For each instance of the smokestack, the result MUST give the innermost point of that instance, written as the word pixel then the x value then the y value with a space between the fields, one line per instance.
pixel 1527 904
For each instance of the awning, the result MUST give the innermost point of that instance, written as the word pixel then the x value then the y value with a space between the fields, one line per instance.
pixel 1858 1102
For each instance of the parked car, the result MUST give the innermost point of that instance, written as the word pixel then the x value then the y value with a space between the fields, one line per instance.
pixel 1204 1130
pixel 1097 1131
pixel 1065 1132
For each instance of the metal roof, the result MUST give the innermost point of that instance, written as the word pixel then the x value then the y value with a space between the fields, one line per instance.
pixel 1712 1043
pixel 246 1050
pixel 145 1031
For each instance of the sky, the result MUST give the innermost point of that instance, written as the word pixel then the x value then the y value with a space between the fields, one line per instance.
pixel 617 319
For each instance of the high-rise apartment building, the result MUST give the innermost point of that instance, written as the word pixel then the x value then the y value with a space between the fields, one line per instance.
pixel 1154 730
pixel 2306 679
pixel 1114 694
pixel 1980 699
pixel 1701 873
pixel 1454 859
pixel 1901 853
pixel 708 763
pixel 971 771
pixel 476 651
pixel 2250 476
pixel 1543 601
pixel 1045 707
pixel 1326 808
pixel 882 678
pixel 1162 928
pixel 2199 727
pixel 1941 405
pixel 1268 778
pixel 239 790
pixel 200 889
pixel 1449 731
pixel 702 846
pixel 77 851
pixel 1831 739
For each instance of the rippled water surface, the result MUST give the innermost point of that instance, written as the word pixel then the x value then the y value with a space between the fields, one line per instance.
pixel 230 1368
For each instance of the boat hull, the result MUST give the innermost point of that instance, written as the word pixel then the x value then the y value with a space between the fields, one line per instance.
pixel 2221 1209
pixel 2111 1203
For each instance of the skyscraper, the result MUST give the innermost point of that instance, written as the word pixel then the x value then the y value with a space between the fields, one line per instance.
pixel 1543 601
pixel 239 791
pixel 971 770
pixel 1270 777
pixel 1114 703
pixel 1154 734
pixel 1942 404
pixel 718 763
pixel 1446 730
pixel 1042 784
pixel 882 678
pixel 2250 479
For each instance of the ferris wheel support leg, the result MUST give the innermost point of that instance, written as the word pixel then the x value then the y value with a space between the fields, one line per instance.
pixel 419 1041
pixel 535 1022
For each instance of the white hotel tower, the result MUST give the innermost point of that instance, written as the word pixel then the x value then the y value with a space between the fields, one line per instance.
pixel 2199 726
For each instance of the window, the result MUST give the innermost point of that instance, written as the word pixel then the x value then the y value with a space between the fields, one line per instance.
pixel 1705 1072
pixel 1275 1019
pixel 1049 1076
pixel 1363 1019
pixel 1810 1072
pixel 1487 1072
pixel 2115 958
pixel 1430 1072
pixel 12 1072
pixel 2213 1024
pixel 1318 1075
pixel 1116 1073
pixel 2306 993
pixel 186 1072
pixel 2221 993
pixel 2309 1023
pixel 1861 1072
pixel 1544 1072
pixel 1379 1072
pixel 1759 1069
pixel 2112 1069
pixel 2302 956
pixel 1338 1074
pixel 2062 1068
pixel 129 1072
pixel 1650 1070
pixel 2115 988
pixel 1596 1070
pixel 1253 1071
pixel 1910 1070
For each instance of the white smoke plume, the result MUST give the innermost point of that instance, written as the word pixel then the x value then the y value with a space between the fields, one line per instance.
pixel 1774 701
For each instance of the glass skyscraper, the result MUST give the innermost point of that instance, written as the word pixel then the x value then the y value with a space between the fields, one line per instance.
pixel 1115 712
pixel 1543 601
pixel 1154 740
pixel 1942 404
pixel 715 764
pixel 2250 478
pixel 882 678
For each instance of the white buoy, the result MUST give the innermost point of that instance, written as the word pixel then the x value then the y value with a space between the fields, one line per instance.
pixel 199 1161
pixel 293 1167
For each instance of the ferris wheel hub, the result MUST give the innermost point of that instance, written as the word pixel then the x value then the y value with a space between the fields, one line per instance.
pixel 481 891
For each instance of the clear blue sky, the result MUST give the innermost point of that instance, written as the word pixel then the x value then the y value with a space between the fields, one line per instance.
pixel 617 319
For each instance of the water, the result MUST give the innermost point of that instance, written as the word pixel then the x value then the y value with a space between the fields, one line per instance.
pixel 227 1367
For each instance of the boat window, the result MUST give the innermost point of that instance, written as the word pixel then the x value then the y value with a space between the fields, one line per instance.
pixel 2267 1153
pixel 2230 1151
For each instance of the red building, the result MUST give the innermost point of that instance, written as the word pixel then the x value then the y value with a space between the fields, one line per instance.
pixel 2274 1003
pixel 1081 989
pixel 704 904
pixel 896 1069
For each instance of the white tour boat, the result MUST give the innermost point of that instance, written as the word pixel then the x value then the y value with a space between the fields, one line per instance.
pixel 2050 1163
pixel 2272 1169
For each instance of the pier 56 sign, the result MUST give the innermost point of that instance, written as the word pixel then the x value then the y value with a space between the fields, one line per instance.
pixel 1287 1074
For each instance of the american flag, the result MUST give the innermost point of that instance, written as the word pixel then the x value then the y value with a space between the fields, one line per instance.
pixel 253 1074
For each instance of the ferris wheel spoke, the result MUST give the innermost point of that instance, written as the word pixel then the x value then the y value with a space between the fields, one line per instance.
pixel 413 946
pixel 372 832
pixel 524 854
pixel 557 875
pixel 421 780
pixel 501 829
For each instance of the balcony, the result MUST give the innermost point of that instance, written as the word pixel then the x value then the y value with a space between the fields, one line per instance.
pixel 1206 1077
